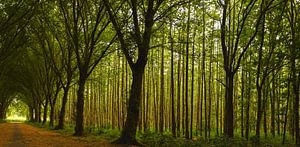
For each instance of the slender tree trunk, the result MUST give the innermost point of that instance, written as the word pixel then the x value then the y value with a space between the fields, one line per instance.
pixel 178 95
pixel 242 103
pixel 248 106
pixel 187 135
pixel 30 114
pixel 278 111
pixel 265 109
pixel 172 85
pixel 217 97
pixel 273 107
pixel 45 110
pixel 192 88
pixel 295 78
pixel 286 111
pixel 162 91
pixel 52 107
pixel 259 80
pixel 39 112
pixel 210 91
pixel 259 111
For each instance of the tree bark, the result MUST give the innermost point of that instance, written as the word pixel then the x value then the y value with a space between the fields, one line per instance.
pixel 80 105
pixel 45 110
pixel 63 108
pixel 295 78
pixel 228 122
pixel 129 132
pixel 172 86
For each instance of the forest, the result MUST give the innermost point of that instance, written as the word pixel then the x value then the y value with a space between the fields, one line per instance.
pixel 154 72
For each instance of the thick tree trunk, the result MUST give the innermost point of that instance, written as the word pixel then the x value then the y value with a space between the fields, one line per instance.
pixel 228 122
pixel 129 132
pixel 80 105
pixel 63 108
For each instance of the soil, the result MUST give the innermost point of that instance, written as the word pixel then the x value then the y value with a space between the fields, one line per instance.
pixel 24 135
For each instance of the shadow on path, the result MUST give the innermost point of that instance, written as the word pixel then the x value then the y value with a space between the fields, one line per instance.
pixel 17 139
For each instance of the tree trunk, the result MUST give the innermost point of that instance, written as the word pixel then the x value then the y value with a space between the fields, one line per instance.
pixel 286 111
pixel 242 103
pixel 172 86
pixel 217 97
pixel 63 108
pixel 228 119
pixel 45 110
pixel 2 114
pixel 178 95
pixel 192 86
pixel 187 135
pixel 248 107
pixel 52 107
pixel 259 111
pixel 31 114
pixel 80 106
pixel 203 71
pixel 162 92
pixel 273 107
pixel 129 132
pixel 295 79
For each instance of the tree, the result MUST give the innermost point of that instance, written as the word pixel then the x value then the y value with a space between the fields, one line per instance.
pixel 137 62
pixel 233 50
pixel 85 24
pixel 293 18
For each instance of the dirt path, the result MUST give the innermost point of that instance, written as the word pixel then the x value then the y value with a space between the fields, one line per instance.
pixel 23 135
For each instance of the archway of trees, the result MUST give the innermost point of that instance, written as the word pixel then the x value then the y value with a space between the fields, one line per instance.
pixel 17 110
pixel 192 69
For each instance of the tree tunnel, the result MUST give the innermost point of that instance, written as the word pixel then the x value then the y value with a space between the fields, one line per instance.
pixel 19 90
pixel 13 104
pixel 17 109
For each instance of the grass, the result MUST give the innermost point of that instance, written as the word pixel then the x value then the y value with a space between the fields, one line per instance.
pixel 154 139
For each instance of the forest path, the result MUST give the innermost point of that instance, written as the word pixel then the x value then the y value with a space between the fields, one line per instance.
pixel 24 135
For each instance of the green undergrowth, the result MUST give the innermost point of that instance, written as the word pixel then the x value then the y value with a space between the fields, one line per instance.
pixel 3 120
pixel 10 121
pixel 153 139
